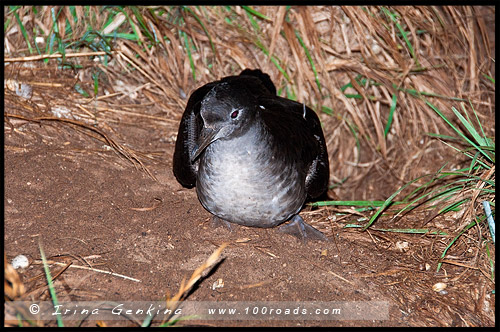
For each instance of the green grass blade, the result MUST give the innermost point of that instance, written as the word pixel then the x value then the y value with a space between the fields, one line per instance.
pixel 443 137
pixel 431 196
pixel 255 13
pixel 264 50
pixel 23 31
pixel 344 87
pixel 142 23
pixel 353 96
pixel 55 27
pixel 253 22
pixel 387 202
pixel 416 93
pixel 469 126
pixel 490 78
pixel 425 185
pixel 188 50
pixel 81 91
pixel 391 114
pixel 454 206
pixel 394 19
pixel 122 35
pixel 50 284
pixel 489 143
pixel 327 110
pixel 353 128
pixel 400 230
pixel 132 26
pixel 458 131
pixel 472 224
pixel 465 152
pixel 309 58
pixel 95 77
pixel 198 19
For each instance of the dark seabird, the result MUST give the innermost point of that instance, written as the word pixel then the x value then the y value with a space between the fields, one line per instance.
pixel 254 157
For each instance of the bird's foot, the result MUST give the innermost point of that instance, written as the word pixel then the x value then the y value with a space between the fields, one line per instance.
pixel 217 222
pixel 299 228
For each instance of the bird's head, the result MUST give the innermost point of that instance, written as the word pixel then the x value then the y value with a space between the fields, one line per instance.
pixel 226 110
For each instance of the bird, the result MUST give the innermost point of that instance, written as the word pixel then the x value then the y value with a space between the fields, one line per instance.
pixel 253 156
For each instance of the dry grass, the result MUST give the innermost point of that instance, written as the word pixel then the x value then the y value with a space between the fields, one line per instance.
pixel 311 54
pixel 367 71
pixel 13 286
pixel 185 287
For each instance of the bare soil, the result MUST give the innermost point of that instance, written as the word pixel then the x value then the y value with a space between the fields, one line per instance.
pixel 85 203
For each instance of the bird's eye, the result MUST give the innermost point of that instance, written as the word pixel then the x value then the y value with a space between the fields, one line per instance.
pixel 234 114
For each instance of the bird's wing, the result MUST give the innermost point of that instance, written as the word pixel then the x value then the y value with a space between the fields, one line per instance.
pixel 187 137
pixel 297 131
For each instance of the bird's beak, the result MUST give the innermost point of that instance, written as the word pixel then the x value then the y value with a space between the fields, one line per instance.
pixel 207 136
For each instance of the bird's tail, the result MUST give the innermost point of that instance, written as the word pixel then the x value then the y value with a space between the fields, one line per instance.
pixel 264 78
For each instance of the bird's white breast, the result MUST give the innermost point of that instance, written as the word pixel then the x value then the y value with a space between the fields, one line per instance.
pixel 243 181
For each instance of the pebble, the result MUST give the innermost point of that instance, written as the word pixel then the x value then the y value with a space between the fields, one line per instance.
pixel 20 262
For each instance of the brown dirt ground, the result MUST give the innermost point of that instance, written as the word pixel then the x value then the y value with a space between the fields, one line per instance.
pixel 67 190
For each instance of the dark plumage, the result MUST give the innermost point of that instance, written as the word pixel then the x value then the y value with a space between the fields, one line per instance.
pixel 253 156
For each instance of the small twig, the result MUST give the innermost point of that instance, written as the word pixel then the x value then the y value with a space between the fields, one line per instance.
pixel 262 283
pixel 334 274
pixel 120 149
pixel 207 266
pixel 106 109
pixel 341 278
pixel 459 264
pixel 92 269
pixel 62 270
pixel 52 56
